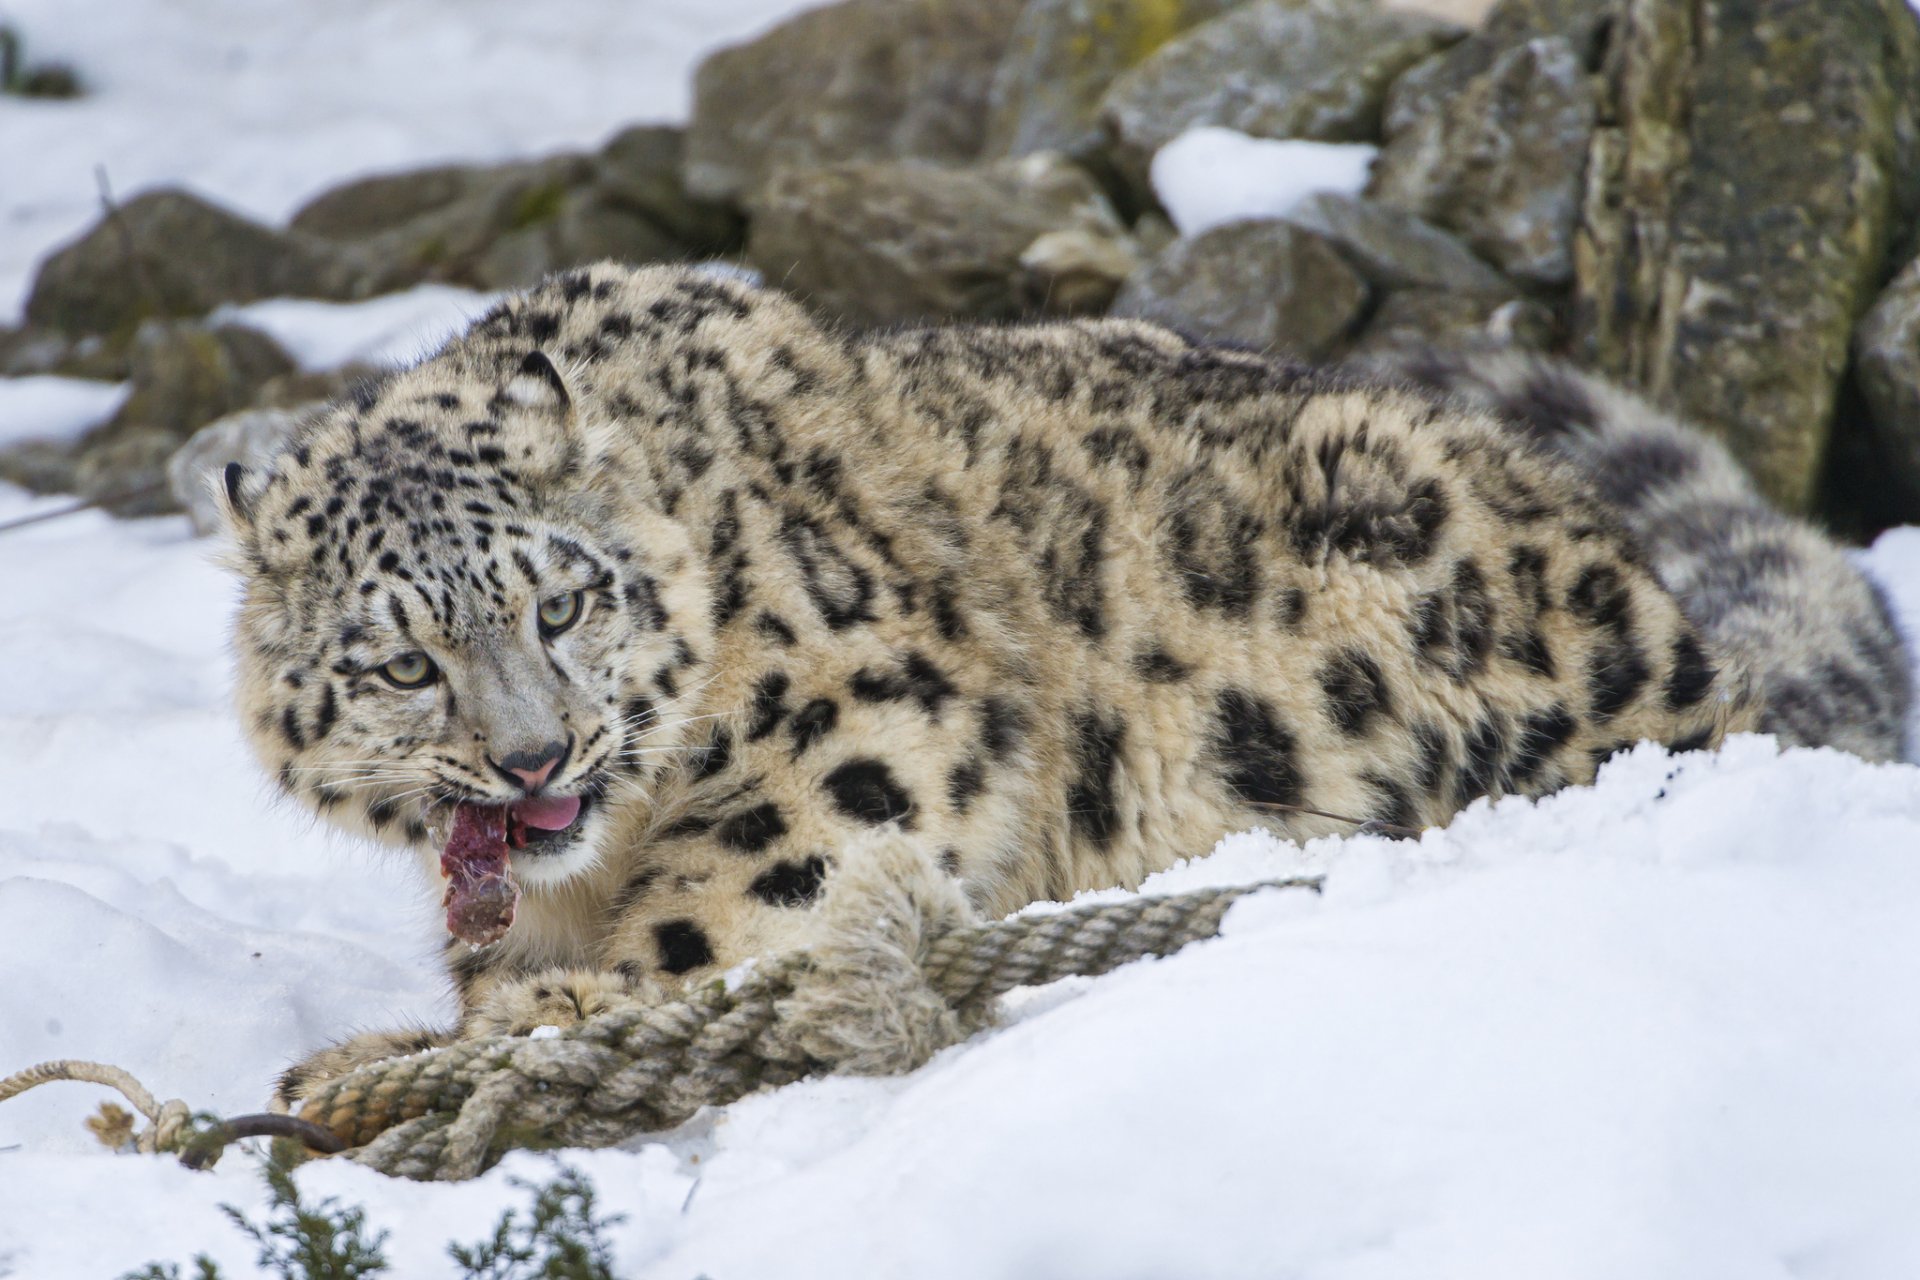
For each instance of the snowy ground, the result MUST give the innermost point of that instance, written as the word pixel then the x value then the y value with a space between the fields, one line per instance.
pixel 1661 1027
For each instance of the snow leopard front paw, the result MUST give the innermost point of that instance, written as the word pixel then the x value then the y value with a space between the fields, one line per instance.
pixel 554 998
pixel 305 1078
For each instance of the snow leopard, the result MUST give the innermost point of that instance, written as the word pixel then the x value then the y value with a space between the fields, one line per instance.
pixel 637 610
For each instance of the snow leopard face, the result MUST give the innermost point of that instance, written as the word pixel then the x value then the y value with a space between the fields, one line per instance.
pixel 442 609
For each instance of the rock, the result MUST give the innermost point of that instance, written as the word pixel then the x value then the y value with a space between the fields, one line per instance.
pixel 863 80
pixel 1887 354
pixel 126 473
pixel 301 387
pixel 1079 270
pixel 890 243
pixel 1395 250
pixel 1314 69
pixel 251 437
pixel 169 253
pixel 1270 285
pixel 25 352
pixel 1419 94
pixel 1061 58
pixel 1440 317
pixel 185 375
pixel 368 206
pixel 447 224
pixel 1722 264
pixel 39 466
pixel 506 226
pixel 642 170
pixel 593 225
pixel 1502 162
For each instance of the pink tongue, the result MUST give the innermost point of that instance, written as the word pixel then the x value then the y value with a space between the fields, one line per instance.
pixel 548 813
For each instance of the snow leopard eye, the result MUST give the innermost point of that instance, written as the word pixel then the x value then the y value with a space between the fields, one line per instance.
pixel 557 613
pixel 410 671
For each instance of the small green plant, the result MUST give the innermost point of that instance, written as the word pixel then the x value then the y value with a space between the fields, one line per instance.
pixel 561 1238
pixel 203 1269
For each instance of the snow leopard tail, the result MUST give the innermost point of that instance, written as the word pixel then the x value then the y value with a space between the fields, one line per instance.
pixel 1772 593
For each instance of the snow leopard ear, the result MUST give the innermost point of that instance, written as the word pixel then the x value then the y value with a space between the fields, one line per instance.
pixel 538 385
pixel 236 495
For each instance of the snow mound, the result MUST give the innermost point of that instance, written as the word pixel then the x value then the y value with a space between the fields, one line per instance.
pixel 1208 177
pixel 394 330
pixel 60 410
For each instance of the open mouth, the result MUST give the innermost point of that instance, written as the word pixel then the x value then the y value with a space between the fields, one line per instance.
pixel 545 822
pixel 481 894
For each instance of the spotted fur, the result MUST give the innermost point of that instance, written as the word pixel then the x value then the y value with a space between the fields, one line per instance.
pixel 1767 592
pixel 1060 603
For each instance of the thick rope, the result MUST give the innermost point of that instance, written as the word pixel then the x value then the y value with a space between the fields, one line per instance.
pixel 450 1113
pixel 902 973
pixel 169 1124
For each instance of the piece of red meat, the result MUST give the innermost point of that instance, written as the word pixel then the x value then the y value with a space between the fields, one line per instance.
pixel 480 890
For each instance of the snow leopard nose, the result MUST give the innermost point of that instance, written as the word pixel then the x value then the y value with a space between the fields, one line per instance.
pixel 531 769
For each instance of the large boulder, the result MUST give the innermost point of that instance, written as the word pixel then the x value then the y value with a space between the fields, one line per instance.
pixel 1420 93
pixel 126 472
pixel 1315 69
pixel 1887 355
pixel 1502 161
pixel 642 171
pixel 1269 285
pixel 863 80
pixel 1394 249
pixel 443 223
pixel 1061 58
pixel 890 243
pixel 1417 318
pixel 251 437
pixel 1741 203
pixel 508 225
pixel 186 374
pixel 170 253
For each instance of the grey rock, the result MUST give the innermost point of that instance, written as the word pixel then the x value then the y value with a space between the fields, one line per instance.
pixel 1269 284
pixel 863 80
pixel 1501 162
pixel 39 466
pixel 1394 249
pixel 445 224
pixel 1415 318
pixel 1419 94
pixel 170 253
pixel 889 243
pixel 185 375
pixel 1062 57
pixel 29 351
pixel 251 438
pixel 1316 69
pixel 642 170
pixel 507 226
pixel 1723 264
pixel 1887 355
pixel 126 473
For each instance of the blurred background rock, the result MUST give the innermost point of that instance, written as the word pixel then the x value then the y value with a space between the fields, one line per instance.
pixel 1713 201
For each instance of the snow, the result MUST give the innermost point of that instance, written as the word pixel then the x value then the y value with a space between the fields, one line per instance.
pixel 44 407
pixel 1208 177
pixel 301 95
pixel 1659 1027
pixel 392 330
pixel 1652 1027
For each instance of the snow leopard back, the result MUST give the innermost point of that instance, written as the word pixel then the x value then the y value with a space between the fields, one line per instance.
pixel 1814 633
